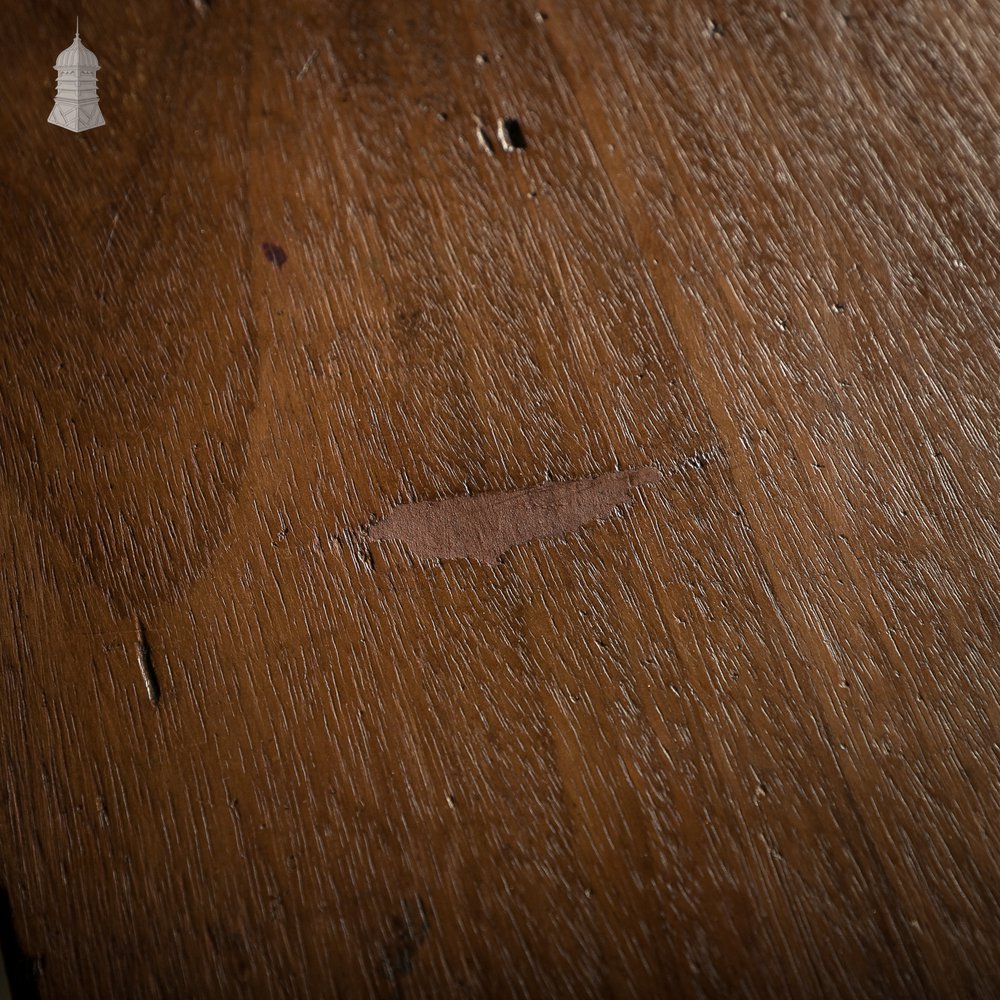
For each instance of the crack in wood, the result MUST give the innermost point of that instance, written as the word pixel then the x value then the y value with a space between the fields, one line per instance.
pixel 145 657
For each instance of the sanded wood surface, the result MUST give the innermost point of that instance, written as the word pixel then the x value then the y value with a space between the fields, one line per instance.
pixel 738 738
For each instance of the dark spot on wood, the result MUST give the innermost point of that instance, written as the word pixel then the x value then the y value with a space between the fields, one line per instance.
pixel 486 525
pixel 145 657
pixel 409 931
pixel 283 528
pixel 715 28
pixel 275 254
pixel 22 969
pixel 510 135
pixel 202 6
pixel 482 59
pixel 230 945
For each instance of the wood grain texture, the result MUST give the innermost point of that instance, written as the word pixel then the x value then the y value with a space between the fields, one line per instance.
pixel 740 741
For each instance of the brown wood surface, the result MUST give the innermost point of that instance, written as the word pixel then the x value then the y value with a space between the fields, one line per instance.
pixel 740 739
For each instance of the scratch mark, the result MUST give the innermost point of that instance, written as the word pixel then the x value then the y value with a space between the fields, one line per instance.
pixel 305 67
pixel 145 657
pixel 111 234
pixel 114 221
pixel 486 525
pixel 275 254
pixel 483 137
pixel 202 6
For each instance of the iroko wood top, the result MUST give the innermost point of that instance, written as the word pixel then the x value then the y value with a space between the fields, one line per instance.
pixel 735 737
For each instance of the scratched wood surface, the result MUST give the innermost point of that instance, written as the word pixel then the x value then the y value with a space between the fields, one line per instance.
pixel 738 739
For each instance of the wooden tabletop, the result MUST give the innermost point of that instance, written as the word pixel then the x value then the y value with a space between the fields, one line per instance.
pixel 688 310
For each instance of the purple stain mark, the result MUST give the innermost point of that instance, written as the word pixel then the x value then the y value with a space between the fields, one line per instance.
pixel 274 254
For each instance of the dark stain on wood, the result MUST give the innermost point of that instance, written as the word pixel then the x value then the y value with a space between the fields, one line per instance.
pixel 275 254
pixel 486 525
pixel 409 931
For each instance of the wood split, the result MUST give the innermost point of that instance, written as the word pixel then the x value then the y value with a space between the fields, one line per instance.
pixel 145 657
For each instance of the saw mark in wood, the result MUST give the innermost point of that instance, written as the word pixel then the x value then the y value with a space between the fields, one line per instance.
pixel 484 526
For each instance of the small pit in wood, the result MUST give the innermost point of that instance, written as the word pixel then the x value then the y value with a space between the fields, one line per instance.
pixel 511 135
